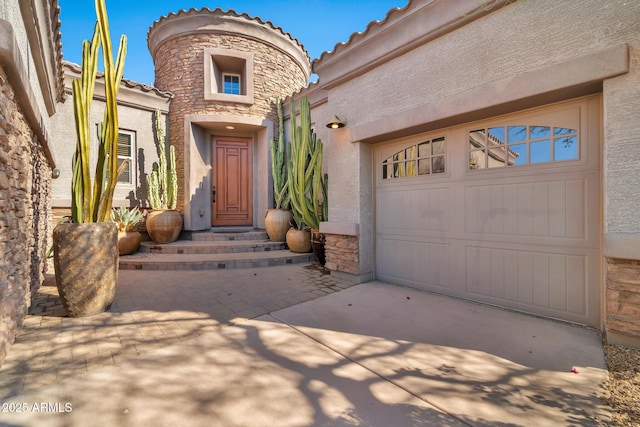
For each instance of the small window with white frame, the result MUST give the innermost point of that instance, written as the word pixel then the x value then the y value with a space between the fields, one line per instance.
pixel 231 84
pixel 126 148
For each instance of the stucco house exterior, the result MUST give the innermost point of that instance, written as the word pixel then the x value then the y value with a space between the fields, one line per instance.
pixel 551 229
pixel 490 150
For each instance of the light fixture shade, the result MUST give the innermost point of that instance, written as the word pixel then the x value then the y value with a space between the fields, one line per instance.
pixel 336 123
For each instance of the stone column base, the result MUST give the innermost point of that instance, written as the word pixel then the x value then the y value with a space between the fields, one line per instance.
pixel 622 322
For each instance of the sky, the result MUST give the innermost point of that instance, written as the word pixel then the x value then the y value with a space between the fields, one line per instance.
pixel 318 24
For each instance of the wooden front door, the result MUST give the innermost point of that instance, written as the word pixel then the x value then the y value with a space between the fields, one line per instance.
pixel 232 195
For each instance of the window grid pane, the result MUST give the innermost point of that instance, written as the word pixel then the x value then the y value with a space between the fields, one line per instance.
pixel 231 84
pixel 424 158
pixel 521 145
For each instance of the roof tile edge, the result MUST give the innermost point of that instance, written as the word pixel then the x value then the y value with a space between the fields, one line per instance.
pixel 231 12
pixel 128 83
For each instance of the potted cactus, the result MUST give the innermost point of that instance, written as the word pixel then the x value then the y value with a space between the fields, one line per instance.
pixel 128 221
pixel 85 249
pixel 164 222
pixel 307 184
pixel 278 220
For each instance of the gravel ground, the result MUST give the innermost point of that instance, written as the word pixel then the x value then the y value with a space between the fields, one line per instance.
pixel 622 390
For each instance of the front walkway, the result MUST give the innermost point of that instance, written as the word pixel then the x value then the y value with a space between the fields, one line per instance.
pixel 247 351
pixel 153 309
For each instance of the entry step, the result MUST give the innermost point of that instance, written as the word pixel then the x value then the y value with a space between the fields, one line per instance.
pixel 212 246
pixel 151 261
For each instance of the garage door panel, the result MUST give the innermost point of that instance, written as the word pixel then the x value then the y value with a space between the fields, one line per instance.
pixel 415 262
pixel 540 278
pixel 408 210
pixel 548 209
pixel 523 235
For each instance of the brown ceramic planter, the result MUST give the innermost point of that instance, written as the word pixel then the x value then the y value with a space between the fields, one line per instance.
pixel 299 241
pixel 85 258
pixel 164 226
pixel 276 223
pixel 128 242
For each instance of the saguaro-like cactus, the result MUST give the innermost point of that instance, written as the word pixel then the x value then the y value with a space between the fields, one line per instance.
pixel 162 184
pixel 94 204
pixel 279 165
pixel 307 184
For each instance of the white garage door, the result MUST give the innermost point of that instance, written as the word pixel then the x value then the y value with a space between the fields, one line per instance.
pixel 504 211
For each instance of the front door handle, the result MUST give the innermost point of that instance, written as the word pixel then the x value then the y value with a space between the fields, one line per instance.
pixel 213 194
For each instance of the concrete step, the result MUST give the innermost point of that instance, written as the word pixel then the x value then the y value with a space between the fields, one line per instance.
pixel 212 247
pixel 151 261
pixel 208 236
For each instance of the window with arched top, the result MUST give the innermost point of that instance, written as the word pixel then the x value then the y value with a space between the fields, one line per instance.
pixel 506 146
pixel 423 158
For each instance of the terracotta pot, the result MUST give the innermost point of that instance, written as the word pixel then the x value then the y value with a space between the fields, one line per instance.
pixel 85 257
pixel 128 242
pixel 299 241
pixel 277 222
pixel 317 244
pixel 164 226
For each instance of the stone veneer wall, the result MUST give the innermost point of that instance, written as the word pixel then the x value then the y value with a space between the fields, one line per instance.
pixel 341 253
pixel 179 68
pixel 25 215
pixel 623 297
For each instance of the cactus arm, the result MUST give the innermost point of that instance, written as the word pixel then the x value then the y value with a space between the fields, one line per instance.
pixel 308 186
pixel 325 198
pixel 111 74
pixel 162 184
pixel 82 97
pixel 91 202
pixel 279 163
pixel 172 183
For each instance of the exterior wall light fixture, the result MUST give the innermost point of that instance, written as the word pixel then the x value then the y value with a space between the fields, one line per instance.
pixel 336 123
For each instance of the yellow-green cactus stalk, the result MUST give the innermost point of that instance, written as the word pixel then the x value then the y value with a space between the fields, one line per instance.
pixel 92 202
pixel 307 184
pixel 162 184
pixel 279 165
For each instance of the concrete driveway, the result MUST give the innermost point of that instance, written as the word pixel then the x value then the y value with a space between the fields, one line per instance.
pixel 371 355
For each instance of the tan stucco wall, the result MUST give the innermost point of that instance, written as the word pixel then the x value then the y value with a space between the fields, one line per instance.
pixel 10 11
pixel 520 55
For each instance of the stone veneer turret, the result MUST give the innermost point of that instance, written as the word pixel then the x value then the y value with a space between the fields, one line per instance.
pixel 188 46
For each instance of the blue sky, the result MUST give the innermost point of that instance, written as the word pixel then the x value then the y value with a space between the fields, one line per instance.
pixel 318 24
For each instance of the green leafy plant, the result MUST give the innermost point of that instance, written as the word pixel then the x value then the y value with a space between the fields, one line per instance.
pixel 127 219
pixel 162 184
pixel 307 184
pixel 91 202
pixel 279 165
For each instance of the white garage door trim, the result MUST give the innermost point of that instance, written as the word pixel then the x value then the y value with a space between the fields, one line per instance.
pixel 522 235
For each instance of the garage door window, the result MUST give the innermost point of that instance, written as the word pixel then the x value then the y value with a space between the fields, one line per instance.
pixel 506 146
pixel 424 158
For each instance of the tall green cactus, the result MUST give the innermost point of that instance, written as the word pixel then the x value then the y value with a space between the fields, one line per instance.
pixel 162 184
pixel 307 184
pixel 94 204
pixel 279 165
